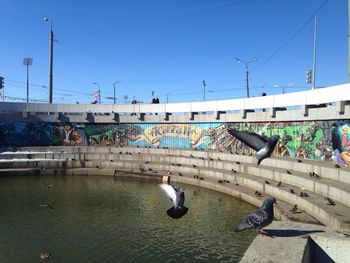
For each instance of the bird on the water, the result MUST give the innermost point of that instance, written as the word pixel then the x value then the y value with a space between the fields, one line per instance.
pixel 262 145
pixel 260 218
pixel 46 206
pixel 177 195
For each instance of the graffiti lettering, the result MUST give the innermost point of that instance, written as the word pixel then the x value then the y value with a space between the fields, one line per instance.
pixel 153 134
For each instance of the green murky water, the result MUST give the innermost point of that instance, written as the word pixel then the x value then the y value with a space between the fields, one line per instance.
pixel 97 219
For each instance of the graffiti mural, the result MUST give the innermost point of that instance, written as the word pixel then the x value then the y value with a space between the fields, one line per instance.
pixel 341 141
pixel 316 140
pixel 68 134
pixel 304 140
pixel 25 134
pixel 155 135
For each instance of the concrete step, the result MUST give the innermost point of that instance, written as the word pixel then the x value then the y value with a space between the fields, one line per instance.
pixel 282 210
pixel 248 175
pixel 323 186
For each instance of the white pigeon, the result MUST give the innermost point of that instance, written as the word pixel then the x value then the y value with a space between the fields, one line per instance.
pixel 177 196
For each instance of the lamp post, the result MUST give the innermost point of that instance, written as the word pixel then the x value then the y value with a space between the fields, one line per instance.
pixel 27 62
pixel 99 92
pixel 167 97
pixel 314 57
pixel 46 19
pixel 204 85
pixel 117 82
pixel 253 59
pixel 283 87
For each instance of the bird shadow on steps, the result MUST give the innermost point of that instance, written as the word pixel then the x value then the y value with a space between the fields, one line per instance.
pixel 290 232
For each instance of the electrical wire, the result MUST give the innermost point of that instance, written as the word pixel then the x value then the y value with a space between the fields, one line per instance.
pixel 284 44
pixel 170 21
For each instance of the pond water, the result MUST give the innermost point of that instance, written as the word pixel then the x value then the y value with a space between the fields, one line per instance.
pixel 97 219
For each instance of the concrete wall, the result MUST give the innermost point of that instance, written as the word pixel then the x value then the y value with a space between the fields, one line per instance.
pixel 326 140
pixel 320 104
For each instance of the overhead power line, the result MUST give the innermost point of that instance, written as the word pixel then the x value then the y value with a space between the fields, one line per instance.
pixel 291 37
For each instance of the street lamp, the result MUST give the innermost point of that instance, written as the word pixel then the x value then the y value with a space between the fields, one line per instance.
pixel 283 87
pixel 253 59
pixel 204 85
pixel 117 82
pixel 46 19
pixel 167 97
pixel 99 92
pixel 27 62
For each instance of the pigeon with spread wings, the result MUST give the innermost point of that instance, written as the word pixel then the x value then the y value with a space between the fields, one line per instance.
pixel 263 146
pixel 177 195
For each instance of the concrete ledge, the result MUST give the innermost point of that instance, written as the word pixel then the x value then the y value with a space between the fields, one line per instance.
pixel 213 166
pixel 245 112
pixel 291 243
pixel 192 115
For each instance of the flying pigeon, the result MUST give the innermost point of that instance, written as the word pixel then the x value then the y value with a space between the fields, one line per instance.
pixel 260 218
pixel 177 195
pixel 260 144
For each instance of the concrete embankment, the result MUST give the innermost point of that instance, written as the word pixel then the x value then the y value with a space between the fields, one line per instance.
pixel 236 175
pixel 292 242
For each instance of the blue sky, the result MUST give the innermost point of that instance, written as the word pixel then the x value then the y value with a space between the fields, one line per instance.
pixel 169 47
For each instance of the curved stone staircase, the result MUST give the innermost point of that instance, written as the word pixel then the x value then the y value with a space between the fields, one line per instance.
pixel 236 175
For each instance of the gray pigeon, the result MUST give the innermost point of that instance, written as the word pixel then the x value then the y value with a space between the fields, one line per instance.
pixel 177 195
pixel 262 145
pixel 260 218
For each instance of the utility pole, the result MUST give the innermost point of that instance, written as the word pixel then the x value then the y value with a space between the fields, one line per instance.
pixel 204 85
pixel 253 59
pixel 50 66
pixel 314 60
pixel 113 93
pixel 27 62
pixel 50 59
pixel 116 82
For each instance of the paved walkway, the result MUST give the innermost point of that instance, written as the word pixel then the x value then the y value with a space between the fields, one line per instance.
pixel 289 240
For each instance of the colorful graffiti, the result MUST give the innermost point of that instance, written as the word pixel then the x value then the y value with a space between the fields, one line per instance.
pixel 315 140
pixel 341 141
pixel 156 135
pixel 304 140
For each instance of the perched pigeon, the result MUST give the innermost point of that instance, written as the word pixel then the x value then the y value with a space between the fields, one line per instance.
pixel 329 201
pixel 177 195
pixel 260 218
pixel 260 144
pixel 257 193
pixel 294 209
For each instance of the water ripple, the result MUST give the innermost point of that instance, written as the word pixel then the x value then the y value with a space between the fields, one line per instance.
pixel 96 219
